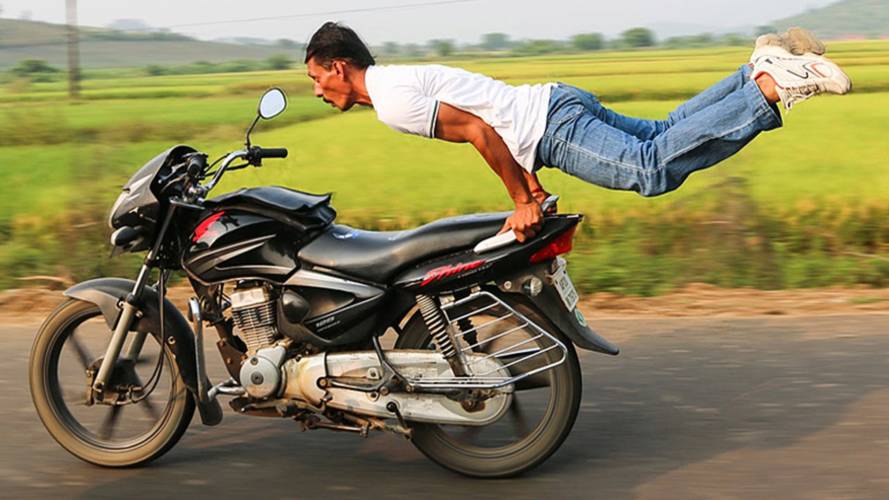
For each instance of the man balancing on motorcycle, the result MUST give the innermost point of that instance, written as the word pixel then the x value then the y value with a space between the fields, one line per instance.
pixel 518 129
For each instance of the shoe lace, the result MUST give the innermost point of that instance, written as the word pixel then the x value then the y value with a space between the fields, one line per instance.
pixel 800 93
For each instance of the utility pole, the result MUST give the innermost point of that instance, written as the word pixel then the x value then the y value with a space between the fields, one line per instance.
pixel 73 50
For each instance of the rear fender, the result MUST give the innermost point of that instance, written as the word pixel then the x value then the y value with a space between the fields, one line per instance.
pixel 571 323
pixel 107 293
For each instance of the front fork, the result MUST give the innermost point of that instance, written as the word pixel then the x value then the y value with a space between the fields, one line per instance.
pixel 130 311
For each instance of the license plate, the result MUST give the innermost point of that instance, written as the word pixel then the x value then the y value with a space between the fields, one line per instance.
pixel 565 287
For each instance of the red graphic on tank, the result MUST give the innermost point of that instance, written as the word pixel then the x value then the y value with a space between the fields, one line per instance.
pixel 202 228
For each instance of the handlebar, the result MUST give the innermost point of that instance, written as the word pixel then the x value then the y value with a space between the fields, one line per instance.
pixel 260 153
pixel 253 155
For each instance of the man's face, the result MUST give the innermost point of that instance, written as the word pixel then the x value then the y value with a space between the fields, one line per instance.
pixel 332 84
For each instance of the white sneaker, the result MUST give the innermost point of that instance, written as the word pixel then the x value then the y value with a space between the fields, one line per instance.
pixel 799 77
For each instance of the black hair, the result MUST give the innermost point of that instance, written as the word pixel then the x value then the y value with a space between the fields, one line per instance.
pixel 337 41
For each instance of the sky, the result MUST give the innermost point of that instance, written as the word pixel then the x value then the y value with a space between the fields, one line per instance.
pixel 412 21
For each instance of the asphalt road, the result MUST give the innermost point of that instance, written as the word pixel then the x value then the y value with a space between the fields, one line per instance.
pixel 777 407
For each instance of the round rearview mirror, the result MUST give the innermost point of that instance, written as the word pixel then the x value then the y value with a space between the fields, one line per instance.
pixel 272 103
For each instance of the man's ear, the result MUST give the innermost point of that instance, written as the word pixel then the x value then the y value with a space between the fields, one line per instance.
pixel 339 68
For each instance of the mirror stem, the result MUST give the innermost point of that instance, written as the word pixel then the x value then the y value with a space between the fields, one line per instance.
pixel 250 130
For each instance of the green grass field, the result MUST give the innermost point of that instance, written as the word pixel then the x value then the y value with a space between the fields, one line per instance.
pixel 800 206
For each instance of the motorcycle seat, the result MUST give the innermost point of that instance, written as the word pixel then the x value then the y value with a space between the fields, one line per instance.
pixel 376 256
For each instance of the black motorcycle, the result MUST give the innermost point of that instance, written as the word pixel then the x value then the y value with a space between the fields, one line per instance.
pixel 483 377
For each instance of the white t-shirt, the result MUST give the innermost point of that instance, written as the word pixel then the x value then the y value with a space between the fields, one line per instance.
pixel 406 98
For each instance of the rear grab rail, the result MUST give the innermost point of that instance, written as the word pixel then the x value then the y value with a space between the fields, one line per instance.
pixel 503 239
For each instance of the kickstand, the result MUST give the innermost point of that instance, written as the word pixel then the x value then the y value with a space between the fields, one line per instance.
pixel 392 407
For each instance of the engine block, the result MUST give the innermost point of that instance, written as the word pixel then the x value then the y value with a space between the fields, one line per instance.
pixel 253 311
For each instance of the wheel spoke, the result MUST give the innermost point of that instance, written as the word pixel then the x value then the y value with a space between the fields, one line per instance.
pixel 471 433
pixel 536 381
pixel 86 359
pixel 518 417
pixel 72 398
pixel 150 408
pixel 110 422
pixel 145 360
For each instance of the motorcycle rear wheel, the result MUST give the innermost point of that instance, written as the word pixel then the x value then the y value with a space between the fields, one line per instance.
pixel 69 343
pixel 444 444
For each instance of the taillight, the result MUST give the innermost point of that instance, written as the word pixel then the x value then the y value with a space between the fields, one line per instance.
pixel 562 244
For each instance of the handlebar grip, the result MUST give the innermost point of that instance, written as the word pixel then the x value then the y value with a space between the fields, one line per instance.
pixel 197 162
pixel 271 153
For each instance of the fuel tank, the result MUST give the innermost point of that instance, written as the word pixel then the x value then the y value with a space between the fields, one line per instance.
pixel 234 244
pixel 254 233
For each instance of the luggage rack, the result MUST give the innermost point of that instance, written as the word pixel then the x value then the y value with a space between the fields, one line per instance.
pixel 524 350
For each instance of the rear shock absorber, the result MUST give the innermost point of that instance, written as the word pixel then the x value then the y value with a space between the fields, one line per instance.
pixel 438 328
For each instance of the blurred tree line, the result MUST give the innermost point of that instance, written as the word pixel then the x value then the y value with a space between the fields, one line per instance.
pixel 275 62
pixel 501 43
pixel 19 78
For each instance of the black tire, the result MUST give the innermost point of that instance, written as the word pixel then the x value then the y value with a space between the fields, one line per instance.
pixel 530 451
pixel 50 398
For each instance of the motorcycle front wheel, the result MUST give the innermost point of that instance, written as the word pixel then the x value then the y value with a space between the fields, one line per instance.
pixel 542 412
pixel 147 407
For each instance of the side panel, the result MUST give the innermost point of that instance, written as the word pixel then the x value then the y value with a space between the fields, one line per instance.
pixel 342 311
pixel 108 292
pixel 467 268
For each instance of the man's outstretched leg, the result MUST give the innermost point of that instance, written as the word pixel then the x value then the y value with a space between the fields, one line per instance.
pixel 583 145
pixel 797 41
pixel 649 129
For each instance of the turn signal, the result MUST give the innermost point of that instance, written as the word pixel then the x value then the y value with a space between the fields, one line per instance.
pixel 562 244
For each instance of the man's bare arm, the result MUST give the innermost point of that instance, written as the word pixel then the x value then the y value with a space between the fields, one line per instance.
pixel 456 125
pixel 540 195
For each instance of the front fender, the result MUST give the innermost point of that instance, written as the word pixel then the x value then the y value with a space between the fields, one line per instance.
pixel 107 293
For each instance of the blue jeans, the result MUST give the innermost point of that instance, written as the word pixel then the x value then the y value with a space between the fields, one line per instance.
pixel 652 157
